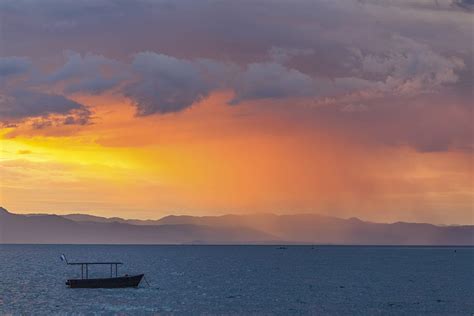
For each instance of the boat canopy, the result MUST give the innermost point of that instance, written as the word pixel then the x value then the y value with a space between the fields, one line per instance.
pixel 83 263
pixel 85 267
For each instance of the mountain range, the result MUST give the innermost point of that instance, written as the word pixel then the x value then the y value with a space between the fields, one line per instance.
pixel 226 229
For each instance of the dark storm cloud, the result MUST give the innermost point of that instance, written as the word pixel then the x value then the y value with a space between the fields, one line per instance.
pixel 271 81
pixel 20 99
pixel 347 59
pixel 166 84
pixel 403 68
pixel 213 29
pixel 77 66
pixel 87 73
pixel 14 65
pixel 19 105
pixel 93 85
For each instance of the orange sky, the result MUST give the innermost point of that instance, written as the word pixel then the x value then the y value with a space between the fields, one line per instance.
pixel 216 159
pixel 141 109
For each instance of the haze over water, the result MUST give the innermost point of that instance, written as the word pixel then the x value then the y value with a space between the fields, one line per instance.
pixel 334 280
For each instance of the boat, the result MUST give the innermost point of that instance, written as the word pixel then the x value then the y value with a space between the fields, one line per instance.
pixel 105 283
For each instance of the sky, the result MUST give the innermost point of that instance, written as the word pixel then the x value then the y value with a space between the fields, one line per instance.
pixel 142 109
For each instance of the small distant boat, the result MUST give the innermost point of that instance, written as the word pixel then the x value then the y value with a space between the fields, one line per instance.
pixel 94 283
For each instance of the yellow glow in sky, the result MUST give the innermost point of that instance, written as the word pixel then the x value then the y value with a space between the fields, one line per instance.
pixel 214 159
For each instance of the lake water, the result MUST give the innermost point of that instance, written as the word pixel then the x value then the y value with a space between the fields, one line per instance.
pixel 327 280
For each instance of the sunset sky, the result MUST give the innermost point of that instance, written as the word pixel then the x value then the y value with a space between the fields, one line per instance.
pixel 142 109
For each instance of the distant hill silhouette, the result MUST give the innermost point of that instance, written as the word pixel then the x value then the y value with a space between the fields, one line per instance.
pixel 46 229
pixel 226 229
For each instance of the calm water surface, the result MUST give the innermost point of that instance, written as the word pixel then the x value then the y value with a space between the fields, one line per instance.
pixel 323 280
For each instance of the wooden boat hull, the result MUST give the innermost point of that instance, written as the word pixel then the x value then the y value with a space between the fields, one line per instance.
pixel 106 283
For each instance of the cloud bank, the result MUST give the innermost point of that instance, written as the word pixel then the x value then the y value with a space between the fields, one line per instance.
pixel 347 62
